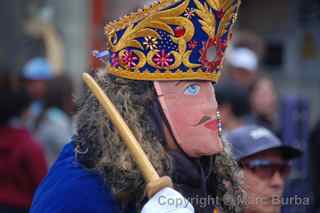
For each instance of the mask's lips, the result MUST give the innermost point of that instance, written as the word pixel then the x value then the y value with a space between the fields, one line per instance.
pixel 212 125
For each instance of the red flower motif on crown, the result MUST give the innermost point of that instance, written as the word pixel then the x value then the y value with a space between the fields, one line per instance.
pixel 163 59
pixel 129 58
pixel 192 44
pixel 115 60
pixel 214 64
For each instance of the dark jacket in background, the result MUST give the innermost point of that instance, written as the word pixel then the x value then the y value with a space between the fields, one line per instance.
pixel 22 167
pixel 314 163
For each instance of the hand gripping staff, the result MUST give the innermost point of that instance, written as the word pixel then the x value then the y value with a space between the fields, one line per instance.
pixel 154 182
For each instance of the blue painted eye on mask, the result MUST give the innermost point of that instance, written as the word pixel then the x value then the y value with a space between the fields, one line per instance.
pixel 192 90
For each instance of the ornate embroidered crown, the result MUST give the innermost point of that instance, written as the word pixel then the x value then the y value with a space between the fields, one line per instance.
pixel 172 40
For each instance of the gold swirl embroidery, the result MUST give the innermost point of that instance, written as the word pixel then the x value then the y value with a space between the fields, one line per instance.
pixel 159 19
pixel 136 16
pixel 230 10
pixel 147 27
pixel 190 74
pixel 142 59
pixel 187 62
pixel 207 18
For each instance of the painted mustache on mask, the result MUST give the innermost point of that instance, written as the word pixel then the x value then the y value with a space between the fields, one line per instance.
pixel 213 124
pixel 203 120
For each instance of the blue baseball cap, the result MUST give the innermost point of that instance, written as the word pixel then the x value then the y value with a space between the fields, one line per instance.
pixel 249 140
pixel 37 69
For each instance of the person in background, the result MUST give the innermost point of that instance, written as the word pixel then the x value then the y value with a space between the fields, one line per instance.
pixel 36 74
pixel 8 79
pixel 314 161
pixel 242 65
pixel 250 40
pixel 265 163
pixel 233 104
pixel 264 104
pixel 53 127
pixel 22 161
pixel 40 29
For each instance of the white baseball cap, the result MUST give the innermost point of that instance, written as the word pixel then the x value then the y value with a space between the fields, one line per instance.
pixel 243 58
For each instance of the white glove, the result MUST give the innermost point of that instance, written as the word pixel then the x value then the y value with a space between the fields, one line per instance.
pixel 168 200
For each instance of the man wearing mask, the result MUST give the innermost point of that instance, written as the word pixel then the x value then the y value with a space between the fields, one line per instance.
pixel 159 76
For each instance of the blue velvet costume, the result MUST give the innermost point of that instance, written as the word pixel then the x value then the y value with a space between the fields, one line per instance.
pixel 71 188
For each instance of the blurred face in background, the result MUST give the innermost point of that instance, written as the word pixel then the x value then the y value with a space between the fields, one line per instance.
pixel 36 89
pixel 263 97
pixel 264 180
pixel 242 76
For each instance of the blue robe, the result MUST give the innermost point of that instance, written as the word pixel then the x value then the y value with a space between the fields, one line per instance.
pixel 69 187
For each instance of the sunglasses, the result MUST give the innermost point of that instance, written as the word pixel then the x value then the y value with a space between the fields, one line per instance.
pixel 267 168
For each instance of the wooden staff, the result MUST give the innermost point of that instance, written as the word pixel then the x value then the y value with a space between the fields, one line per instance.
pixel 154 182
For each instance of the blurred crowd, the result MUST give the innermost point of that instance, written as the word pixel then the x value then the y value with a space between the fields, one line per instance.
pixel 35 123
pixel 35 120
pixel 248 96
pixel 37 106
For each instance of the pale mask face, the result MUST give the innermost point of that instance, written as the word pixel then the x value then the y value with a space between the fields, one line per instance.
pixel 190 108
